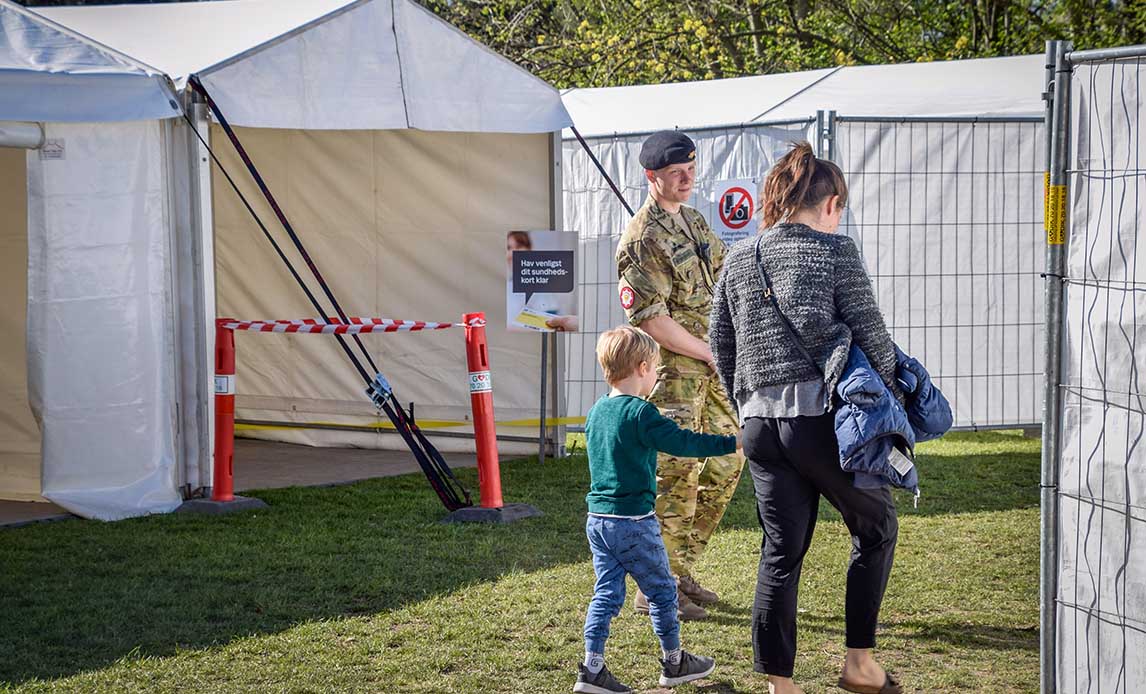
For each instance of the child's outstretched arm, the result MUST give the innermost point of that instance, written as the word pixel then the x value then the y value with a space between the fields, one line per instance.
pixel 659 432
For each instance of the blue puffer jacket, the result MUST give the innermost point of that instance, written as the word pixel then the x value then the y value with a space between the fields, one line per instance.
pixel 877 435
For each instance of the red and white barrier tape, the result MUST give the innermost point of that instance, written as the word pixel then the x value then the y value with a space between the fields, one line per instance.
pixel 335 327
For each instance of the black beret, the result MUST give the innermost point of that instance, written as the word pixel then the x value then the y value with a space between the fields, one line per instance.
pixel 666 148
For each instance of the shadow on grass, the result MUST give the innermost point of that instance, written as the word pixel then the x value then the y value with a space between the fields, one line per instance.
pixel 960 473
pixel 80 595
pixel 950 633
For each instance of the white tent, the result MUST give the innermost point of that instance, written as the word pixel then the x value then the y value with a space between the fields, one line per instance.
pixel 85 229
pixel 402 152
pixel 944 162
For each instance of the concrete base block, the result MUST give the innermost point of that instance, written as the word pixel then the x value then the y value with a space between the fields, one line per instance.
pixel 506 514
pixel 216 508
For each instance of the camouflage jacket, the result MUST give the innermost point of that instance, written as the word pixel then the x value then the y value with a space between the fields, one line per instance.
pixel 665 271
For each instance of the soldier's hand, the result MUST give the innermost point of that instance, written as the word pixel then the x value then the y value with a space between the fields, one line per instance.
pixel 740 440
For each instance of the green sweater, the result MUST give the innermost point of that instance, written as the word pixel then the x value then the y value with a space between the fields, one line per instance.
pixel 623 435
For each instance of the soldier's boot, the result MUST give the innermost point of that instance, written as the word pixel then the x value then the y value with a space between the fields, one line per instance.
pixel 686 610
pixel 696 592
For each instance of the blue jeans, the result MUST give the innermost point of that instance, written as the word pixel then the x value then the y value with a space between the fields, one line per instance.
pixel 622 546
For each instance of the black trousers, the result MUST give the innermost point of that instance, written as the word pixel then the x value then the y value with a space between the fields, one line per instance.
pixel 792 462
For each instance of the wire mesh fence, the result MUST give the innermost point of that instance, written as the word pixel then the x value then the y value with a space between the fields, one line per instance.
pixel 947 214
pixel 1099 539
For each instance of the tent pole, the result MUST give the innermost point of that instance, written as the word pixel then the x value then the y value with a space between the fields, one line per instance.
pixel 21 135
pixel 608 179
pixel 202 240
pixel 560 343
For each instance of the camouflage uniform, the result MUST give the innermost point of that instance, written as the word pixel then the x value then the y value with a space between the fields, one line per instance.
pixel 668 271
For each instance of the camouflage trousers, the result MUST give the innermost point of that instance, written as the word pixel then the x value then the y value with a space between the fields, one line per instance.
pixel 692 493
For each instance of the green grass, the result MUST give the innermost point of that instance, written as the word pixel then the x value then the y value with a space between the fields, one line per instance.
pixel 360 589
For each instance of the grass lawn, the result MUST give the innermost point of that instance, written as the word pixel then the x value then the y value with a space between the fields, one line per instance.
pixel 360 589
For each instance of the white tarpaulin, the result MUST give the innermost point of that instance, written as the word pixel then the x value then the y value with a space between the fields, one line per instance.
pixel 594 212
pixel 984 87
pixel 946 208
pixel 100 360
pixel 948 218
pixel 47 73
pixel 328 64
pixel 1102 477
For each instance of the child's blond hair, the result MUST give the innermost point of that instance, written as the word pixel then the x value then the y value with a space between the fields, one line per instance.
pixel 621 350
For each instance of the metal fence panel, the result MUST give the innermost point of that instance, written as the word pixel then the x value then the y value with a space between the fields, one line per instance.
pixel 948 216
pixel 595 213
pixel 1101 596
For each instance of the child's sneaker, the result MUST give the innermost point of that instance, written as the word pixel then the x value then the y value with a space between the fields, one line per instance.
pixel 601 683
pixel 691 667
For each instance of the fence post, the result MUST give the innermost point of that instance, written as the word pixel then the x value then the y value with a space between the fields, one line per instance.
pixel 818 136
pixel 481 402
pixel 1055 224
pixel 830 137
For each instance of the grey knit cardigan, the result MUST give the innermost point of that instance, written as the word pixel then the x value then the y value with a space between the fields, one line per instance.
pixel 823 289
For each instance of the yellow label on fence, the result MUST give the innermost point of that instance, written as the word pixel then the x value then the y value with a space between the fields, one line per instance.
pixel 1056 215
pixel 1046 195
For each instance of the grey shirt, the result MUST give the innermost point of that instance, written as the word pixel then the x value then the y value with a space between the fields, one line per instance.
pixel 807 399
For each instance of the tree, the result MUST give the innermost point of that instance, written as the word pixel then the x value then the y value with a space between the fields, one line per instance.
pixel 588 43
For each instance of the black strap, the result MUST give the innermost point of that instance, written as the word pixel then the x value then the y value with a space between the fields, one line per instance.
pixel 791 329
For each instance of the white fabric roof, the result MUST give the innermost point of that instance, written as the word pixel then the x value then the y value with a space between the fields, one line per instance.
pixel 328 64
pixel 985 87
pixel 48 73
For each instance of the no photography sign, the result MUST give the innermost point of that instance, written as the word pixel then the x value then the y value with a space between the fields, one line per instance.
pixel 734 209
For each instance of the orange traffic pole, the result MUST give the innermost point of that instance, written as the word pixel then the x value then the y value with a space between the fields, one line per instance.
pixel 223 486
pixel 481 402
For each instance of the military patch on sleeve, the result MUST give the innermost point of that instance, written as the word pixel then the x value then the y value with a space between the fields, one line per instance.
pixel 628 298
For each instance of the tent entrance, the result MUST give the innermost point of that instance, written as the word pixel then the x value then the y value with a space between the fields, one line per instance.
pixel 19 434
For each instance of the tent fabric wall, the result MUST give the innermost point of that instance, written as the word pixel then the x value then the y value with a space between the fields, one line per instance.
pixel 402 224
pixel 100 356
pixel 947 216
pixel 593 211
pixel 1101 600
pixel 19 434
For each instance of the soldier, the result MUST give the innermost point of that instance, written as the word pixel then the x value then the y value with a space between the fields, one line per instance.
pixel 668 261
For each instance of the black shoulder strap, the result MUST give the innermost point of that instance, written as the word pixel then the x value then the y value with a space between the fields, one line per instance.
pixel 771 296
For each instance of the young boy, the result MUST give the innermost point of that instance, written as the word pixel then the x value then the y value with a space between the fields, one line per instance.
pixel 623 433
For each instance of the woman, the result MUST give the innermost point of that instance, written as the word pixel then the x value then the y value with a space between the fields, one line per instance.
pixel 782 377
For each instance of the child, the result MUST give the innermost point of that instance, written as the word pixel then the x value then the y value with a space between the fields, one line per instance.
pixel 623 433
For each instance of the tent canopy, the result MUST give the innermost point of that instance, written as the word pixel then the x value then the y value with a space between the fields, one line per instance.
pixel 984 87
pixel 48 73
pixel 328 64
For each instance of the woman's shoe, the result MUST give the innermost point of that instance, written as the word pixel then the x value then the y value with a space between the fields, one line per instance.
pixel 890 686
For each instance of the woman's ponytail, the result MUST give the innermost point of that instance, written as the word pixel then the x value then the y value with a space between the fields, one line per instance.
pixel 799 180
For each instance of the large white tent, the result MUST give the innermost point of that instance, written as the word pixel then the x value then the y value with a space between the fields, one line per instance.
pixel 84 229
pixel 401 150
pixel 945 164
